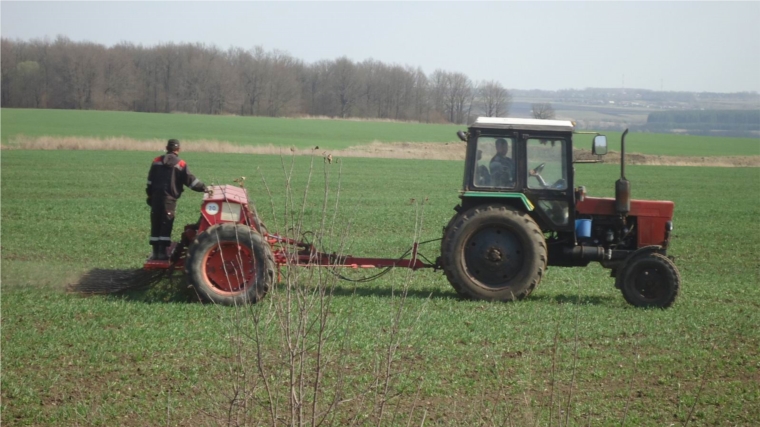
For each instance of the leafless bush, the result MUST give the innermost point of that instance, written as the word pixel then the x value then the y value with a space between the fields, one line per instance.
pixel 292 360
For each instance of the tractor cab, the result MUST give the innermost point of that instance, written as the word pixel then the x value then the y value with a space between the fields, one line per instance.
pixel 526 163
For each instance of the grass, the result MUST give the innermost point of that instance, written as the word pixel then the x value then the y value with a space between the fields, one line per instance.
pixel 306 133
pixel 679 145
pixel 151 359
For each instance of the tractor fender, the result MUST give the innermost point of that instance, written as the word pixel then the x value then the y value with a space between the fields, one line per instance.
pixel 208 229
pixel 643 251
pixel 646 249
pixel 519 204
pixel 619 268
pixel 516 203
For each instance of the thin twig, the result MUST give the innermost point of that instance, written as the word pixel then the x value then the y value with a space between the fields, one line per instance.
pixel 630 383
pixel 553 377
pixel 699 392
pixel 575 363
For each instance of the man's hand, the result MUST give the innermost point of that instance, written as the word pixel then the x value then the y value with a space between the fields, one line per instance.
pixel 147 200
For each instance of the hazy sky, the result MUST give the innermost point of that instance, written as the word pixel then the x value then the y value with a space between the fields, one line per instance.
pixel 691 46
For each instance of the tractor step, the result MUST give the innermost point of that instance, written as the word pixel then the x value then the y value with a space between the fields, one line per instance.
pixel 152 264
pixel 164 264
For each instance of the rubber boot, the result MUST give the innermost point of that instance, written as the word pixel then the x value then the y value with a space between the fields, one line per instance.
pixel 155 252
pixel 161 256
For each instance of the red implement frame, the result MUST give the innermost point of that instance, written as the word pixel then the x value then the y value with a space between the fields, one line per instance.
pixel 307 256
pixel 286 251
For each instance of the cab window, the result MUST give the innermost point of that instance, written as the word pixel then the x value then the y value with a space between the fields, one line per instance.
pixel 547 166
pixel 495 165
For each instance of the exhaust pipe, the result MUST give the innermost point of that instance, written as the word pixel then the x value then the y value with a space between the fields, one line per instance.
pixel 622 186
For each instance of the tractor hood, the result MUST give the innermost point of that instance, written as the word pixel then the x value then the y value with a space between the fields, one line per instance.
pixel 226 193
pixel 639 208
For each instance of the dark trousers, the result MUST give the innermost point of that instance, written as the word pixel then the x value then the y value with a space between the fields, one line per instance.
pixel 162 211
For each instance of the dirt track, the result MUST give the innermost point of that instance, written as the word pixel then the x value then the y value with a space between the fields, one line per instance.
pixel 394 150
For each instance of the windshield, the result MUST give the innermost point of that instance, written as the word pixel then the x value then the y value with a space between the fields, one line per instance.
pixel 547 166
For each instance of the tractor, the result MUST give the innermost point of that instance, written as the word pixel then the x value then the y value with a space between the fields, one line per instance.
pixel 519 213
pixel 512 224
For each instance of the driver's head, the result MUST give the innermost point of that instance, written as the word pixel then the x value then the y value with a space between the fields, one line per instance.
pixel 502 147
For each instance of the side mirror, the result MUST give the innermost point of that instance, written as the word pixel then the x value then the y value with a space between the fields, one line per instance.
pixel 600 145
pixel 462 135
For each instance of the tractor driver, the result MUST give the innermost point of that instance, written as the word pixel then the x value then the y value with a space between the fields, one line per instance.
pixel 166 178
pixel 502 167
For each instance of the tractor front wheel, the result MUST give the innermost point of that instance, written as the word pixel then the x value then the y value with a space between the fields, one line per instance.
pixel 493 252
pixel 650 280
pixel 230 264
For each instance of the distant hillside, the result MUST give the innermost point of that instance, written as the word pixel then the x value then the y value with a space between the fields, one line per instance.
pixel 696 113
pixel 706 122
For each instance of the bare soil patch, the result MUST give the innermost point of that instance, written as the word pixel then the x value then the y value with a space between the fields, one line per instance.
pixel 391 150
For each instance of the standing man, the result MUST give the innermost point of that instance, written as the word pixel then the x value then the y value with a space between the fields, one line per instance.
pixel 168 174
pixel 502 167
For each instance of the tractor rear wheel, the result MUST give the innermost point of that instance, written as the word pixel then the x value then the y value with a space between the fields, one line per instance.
pixel 650 280
pixel 230 264
pixel 493 252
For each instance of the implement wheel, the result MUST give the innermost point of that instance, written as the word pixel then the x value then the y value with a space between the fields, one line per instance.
pixel 650 280
pixel 230 264
pixel 494 252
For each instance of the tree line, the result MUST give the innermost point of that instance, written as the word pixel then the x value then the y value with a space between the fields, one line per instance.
pixel 203 79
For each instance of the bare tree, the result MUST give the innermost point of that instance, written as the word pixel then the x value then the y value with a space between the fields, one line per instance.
pixel 495 101
pixel 281 86
pixel 344 85
pixel 29 79
pixel 168 69
pixel 459 97
pixel 368 75
pixel 543 111
pixel 7 71
pixel 439 82
pixel 315 91
pixel 252 66
pixel 118 91
pixel 147 67
pixel 420 96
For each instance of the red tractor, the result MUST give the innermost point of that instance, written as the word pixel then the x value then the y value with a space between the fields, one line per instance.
pixel 519 214
pixel 514 221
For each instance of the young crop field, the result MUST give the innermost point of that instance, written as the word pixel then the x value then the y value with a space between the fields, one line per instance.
pixel 403 349
pixel 308 133
pixel 286 132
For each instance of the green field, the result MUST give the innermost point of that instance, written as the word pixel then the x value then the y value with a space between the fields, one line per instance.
pixel 300 133
pixel 572 353
pixel 305 133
